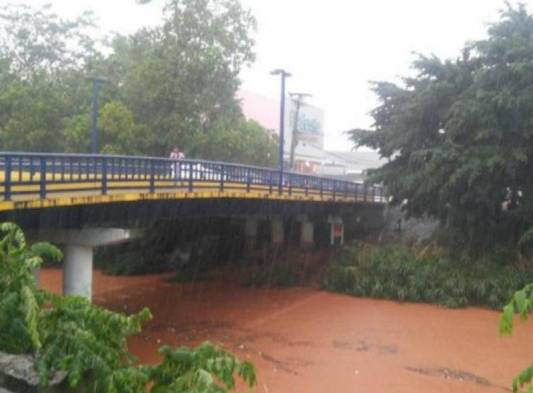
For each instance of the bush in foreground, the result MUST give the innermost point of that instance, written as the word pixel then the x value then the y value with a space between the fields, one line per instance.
pixel 88 342
pixel 408 274
pixel 521 304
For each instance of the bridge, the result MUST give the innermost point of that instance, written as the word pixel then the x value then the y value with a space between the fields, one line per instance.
pixel 84 201
pixel 32 180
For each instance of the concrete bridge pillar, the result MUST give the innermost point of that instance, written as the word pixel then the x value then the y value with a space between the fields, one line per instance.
pixel 250 234
pixel 277 231
pixel 78 250
pixel 78 271
pixel 336 226
pixel 307 232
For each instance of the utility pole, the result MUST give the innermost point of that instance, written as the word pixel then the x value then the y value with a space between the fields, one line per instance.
pixel 284 74
pixel 298 99
pixel 97 82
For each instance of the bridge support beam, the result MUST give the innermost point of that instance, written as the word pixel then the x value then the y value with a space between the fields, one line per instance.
pixel 336 230
pixel 307 232
pixel 78 254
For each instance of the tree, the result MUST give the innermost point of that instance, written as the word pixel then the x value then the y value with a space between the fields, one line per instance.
pixel 246 142
pixel 116 125
pixel 180 79
pixel 43 59
pixel 459 137
pixel 35 40
pixel 174 84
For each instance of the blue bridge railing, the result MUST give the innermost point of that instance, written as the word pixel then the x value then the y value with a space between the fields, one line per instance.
pixel 38 175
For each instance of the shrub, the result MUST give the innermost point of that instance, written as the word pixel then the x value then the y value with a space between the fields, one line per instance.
pixel 273 275
pixel 88 342
pixel 521 303
pixel 423 275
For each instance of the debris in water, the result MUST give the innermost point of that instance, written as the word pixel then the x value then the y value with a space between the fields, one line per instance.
pixel 448 373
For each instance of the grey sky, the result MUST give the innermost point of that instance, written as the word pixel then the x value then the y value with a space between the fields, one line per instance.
pixel 333 47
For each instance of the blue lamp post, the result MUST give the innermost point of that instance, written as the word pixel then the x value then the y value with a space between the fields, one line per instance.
pixel 284 74
pixel 97 83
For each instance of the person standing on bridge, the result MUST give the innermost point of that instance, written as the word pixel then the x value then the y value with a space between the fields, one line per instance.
pixel 175 155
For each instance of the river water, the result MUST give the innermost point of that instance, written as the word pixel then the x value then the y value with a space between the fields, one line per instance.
pixel 303 340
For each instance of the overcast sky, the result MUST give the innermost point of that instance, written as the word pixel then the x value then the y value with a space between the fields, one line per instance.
pixel 332 47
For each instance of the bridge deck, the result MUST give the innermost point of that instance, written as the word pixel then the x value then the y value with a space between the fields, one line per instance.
pixel 30 181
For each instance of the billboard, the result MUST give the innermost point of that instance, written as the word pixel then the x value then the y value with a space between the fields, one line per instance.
pixel 266 112
pixel 310 124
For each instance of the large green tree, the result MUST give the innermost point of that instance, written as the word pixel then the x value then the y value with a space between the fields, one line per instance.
pixel 180 78
pixel 173 84
pixel 43 59
pixel 459 136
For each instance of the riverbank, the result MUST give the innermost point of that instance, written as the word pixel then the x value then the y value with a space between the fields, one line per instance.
pixel 304 340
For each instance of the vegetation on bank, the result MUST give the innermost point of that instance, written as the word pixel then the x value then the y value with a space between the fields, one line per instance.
pixel 413 274
pixel 275 274
pixel 88 342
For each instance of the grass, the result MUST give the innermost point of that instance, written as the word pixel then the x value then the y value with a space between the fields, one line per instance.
pixel 423 275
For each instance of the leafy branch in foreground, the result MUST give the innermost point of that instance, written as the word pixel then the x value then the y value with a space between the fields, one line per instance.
pixel 198 370
pixel 521 304
pixel 88 342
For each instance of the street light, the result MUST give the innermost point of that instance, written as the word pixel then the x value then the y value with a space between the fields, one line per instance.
pixel 284 74
pixel 97 82
pixel 298 99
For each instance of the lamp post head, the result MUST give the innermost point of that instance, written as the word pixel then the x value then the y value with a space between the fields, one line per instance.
pixel 299 95
pixel 281 72
pixel 97 78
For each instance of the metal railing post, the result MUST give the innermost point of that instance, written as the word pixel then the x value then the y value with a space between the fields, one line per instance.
pixel 31 169
pixel 7 179
pixel 280 186
pixel 321 187
pixel 222 171
pixel 42 178
pixel 104 175
pixel 248 180
pixel 62 169
pixel 152 177
pixel 190 176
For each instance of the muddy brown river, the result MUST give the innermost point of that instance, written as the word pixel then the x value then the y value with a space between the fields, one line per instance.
pixel 307 341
